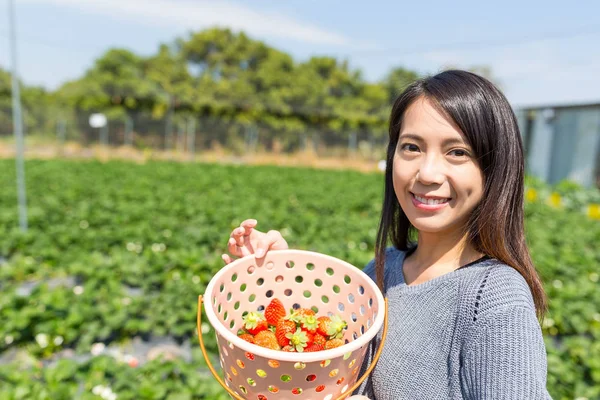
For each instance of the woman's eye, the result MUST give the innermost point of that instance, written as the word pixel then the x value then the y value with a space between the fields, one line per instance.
pixel 459 153
pixel 410 147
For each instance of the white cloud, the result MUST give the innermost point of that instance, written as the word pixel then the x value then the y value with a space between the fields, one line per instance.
pixel 538 73
pixel 202 14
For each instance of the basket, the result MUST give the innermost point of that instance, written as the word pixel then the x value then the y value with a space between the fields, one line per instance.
pixel 299 279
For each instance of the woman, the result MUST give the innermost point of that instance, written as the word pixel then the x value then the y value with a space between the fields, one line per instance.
pixel 464 296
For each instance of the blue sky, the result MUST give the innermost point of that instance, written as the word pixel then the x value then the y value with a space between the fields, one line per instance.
pixel 541 52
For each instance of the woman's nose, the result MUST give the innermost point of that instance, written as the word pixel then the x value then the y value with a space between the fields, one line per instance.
pixel 431 171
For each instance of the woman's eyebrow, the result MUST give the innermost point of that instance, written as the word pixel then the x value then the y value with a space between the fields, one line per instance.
pixel 410 136
pixel 452 141
pixel 445 142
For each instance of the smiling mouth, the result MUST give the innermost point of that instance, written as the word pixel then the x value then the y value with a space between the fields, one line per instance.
pixel 431 201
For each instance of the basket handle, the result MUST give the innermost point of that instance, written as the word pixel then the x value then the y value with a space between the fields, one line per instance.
pixel 343 396
pixel 206 358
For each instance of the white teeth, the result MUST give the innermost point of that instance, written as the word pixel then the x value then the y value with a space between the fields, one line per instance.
pixel 431 201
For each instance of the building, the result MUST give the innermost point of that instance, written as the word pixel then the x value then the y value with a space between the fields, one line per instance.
pixel 562 142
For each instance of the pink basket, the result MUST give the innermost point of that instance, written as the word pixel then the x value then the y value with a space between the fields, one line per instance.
pixel 299 279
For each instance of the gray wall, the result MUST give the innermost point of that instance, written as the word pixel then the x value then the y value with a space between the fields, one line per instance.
pixel 564 143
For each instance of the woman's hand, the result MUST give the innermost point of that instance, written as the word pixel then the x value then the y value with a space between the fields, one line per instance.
pixel 245 240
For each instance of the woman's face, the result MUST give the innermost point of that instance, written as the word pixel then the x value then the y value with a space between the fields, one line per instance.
pixel 437 179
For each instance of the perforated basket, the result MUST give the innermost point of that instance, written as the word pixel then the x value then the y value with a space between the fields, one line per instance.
pixel 299 279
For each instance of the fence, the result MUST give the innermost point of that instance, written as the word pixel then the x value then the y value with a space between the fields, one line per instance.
pixel 191 133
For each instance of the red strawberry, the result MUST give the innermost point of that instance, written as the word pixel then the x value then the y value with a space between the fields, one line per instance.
pixel 320 339
pixel 310 323
pixel 284 327
pixel 305 312
pixel 333 343
pixel 332 328
pixel 310 338
pixel 300 314
pixel 247 337
pixel 298 339
pixel 323 325
pixel 266 339
pixel 261 326
pixel 274 311
pixel 314 347
pixel 255 322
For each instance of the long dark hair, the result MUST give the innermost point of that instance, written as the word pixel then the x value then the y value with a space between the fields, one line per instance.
pixel 496 226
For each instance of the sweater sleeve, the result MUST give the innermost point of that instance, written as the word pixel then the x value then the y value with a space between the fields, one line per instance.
pixel 504 356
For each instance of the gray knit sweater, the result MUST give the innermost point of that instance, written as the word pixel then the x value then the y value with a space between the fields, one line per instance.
pixel 469 334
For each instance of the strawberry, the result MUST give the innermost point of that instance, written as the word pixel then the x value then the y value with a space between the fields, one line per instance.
pixel 274 311
pixel 298 339
pixel 255 322
pixel 267 339
pixel 310 337
pixel 335 329
pixel 333 343
pixel 320 339
pixel 300 314
pixel 314 347
pixel 305 312
pixel 284 327
pixel 247 337
pixel 310 323
pixel 323 325
pixel 300 331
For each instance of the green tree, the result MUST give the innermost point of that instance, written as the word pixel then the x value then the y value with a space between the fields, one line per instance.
pixel 397 80
pixel 35 105
pixel 235 87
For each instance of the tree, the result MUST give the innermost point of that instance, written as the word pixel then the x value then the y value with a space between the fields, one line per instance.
pixel 115 85
pixel 35 102
pixel 397 80
pixel 5 103
pixel 233 86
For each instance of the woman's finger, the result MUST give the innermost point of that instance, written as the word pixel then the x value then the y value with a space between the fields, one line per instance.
pixel 238 235
pixel 276 242
pixel 265 244
pixel 248 225
pixel 233 248
pixel 226 258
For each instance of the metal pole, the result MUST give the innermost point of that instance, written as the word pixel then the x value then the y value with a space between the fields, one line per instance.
pixel 180 136
pixel 191 136
pixel 169 124
pixel 17 121
pixel 61 130
pixel 254 138
pixel 128 131
pixel 104 135
pixel 352 141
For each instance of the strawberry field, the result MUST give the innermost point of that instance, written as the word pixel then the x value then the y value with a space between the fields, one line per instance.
pixel 98 298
